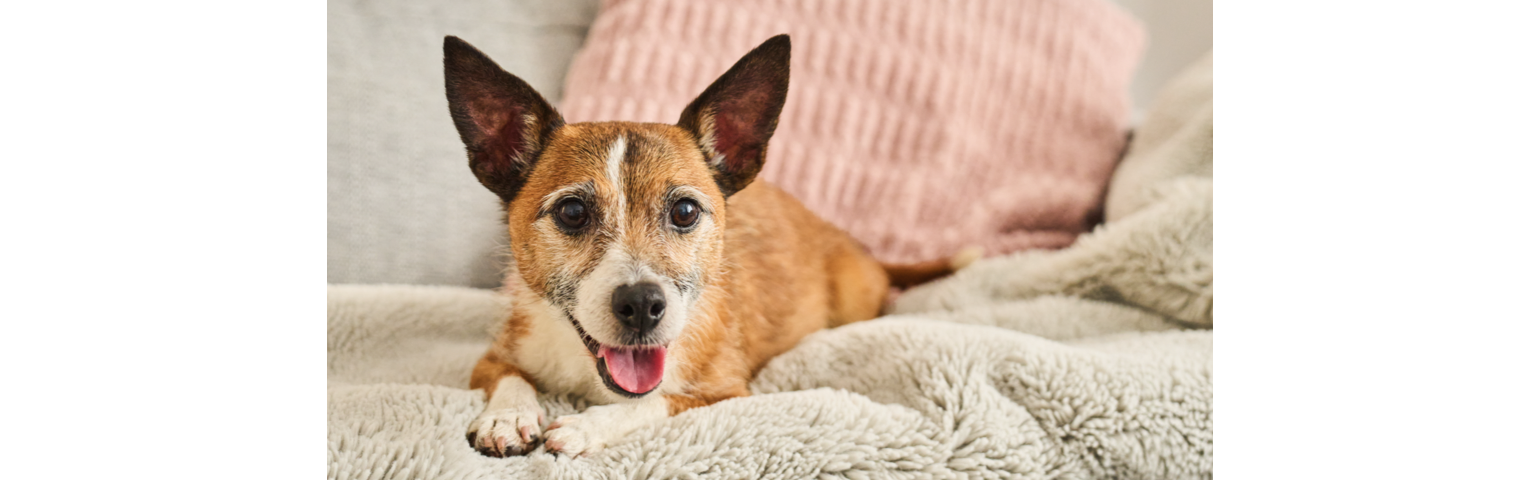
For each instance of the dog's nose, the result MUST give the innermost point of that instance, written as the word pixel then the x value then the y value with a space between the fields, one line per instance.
pixel 639 307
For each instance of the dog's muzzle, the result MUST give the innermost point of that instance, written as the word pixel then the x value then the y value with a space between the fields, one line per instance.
pixel 634 367
pixel 638 307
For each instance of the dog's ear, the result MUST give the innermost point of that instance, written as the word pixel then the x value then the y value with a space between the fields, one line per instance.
pixel 502 120
pixel 735 117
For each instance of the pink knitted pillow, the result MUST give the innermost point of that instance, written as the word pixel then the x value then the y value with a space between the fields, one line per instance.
pixel 921 127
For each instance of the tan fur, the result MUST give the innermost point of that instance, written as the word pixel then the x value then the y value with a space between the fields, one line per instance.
pixel 775 271
pixel 778 271
pixel 489 370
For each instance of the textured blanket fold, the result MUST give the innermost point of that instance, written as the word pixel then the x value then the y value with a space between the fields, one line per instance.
pixel 897 397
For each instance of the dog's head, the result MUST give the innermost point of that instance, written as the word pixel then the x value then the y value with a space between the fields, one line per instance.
pixel 619 225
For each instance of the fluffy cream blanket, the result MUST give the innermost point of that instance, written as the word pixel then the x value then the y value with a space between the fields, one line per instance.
pixel 1090 362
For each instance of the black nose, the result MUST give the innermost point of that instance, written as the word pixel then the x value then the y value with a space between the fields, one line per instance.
pixel 639 307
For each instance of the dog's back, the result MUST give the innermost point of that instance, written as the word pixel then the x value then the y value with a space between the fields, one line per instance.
pixel 822 277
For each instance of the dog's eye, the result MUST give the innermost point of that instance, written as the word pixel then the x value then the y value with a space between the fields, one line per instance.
pixel 572 214
pixel 686 213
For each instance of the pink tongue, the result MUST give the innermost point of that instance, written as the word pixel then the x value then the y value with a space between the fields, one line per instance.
pixel 637 370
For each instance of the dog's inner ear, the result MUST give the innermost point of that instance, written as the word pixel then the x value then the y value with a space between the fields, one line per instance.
pixel 735 117
pixel 502 120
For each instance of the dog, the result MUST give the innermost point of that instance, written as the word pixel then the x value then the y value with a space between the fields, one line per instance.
pixel 650 273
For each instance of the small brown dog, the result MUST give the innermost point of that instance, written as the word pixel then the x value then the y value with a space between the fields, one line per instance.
pixel 653 274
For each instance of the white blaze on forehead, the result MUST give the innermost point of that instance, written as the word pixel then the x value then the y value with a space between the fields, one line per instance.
pixel 612 170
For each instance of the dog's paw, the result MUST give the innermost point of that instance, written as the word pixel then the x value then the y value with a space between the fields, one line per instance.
pixel 585 433
pixel 506 432
pixel 576 435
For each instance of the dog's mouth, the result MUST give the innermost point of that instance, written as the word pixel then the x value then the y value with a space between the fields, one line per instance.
pixel 630 370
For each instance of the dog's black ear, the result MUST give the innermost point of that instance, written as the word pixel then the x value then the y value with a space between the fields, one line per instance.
pixel 735 117
pixel 502 120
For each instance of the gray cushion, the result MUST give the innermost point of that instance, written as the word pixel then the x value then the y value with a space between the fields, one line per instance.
pixel 401 204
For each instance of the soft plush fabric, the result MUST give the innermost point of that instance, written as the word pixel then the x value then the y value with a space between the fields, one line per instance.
pixel 897 397
pixel 401 203
pixel 1159 259
pixel 921 127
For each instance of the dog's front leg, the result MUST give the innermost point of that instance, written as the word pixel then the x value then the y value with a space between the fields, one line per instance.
pixel 510 425
pixel 595 428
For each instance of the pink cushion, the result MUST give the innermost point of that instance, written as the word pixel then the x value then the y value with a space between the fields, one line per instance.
pixel 921 127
